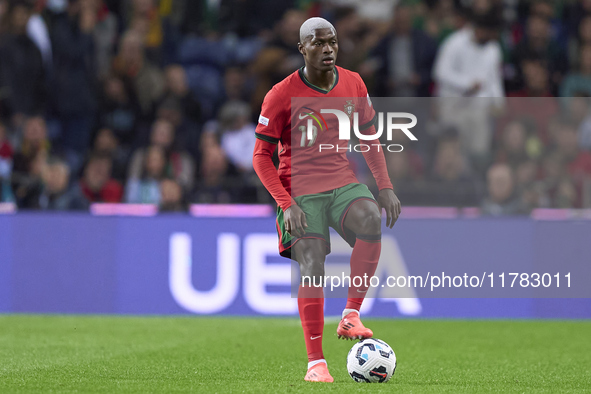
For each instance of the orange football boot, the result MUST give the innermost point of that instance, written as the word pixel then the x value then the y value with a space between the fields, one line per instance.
pixel 319 373
pixel 351 327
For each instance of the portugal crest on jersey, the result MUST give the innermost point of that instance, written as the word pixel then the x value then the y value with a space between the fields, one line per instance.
pixel 349 108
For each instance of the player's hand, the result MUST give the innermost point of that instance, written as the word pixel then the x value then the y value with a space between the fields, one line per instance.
pixel 474 89
pixel 391 204
pixel 295 221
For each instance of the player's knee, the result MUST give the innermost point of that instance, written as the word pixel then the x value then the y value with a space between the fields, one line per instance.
pixel 370 223
pixel 311 262
pixel 312 269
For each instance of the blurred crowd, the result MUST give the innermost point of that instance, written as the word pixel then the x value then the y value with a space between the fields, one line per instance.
pixel 156 101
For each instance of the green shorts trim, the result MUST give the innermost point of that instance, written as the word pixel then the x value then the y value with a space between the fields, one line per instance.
pixel 323 210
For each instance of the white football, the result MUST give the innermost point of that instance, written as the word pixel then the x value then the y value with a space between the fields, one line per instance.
pixel 371 361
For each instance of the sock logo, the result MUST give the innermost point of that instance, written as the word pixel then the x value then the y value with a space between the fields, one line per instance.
pixel 316 337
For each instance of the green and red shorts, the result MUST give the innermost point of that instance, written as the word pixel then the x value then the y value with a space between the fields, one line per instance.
pixel 323 210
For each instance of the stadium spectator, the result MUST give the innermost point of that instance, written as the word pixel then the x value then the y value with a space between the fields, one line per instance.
pixel 73 77
pixel 501 199
pixel 406 171
pixel 538 43
pixel 172 199
pixel 29 162
pixel 527 173
pixel 354 40
pixel 577 162
pixel 145 19
pixel 404 166
pixel 246 18
pixel 552 171
pixel 513 149
pixel 181 108
pixel 536 79
pixel 576 20
pixel 579 82
pixel 468 62
pixel 217 174
pixel 56 194
pixel 144 80
pixel 119 109
pixel 106 143
pixel 105 36
pixel 6 153
pixel 182 166
pixel 577 110
pixel 22 75
pixel 579 40
pixel 3 9
pixel 559 188
pixel 235 84
pixel 146 189
pixel 453 183
pixel 280 57
pixel 438 19
pixel 235 133
pixel 96 183
pixel 176 88
pixel 468 65
pixel 38 32
pixel 541 111
pixel 585 126
pixel 124 83
pixel 567 195
pixel 375 12
pixel 404 59
pixel 517 144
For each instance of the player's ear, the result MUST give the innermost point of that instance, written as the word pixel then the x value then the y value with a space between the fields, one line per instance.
pixel 301 48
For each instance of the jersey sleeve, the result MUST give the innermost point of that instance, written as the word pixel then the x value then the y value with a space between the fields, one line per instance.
pixel 374 157
pixel 263 165
pixel 367 114
pixel 274 117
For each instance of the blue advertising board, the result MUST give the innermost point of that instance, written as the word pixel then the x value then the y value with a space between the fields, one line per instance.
pixel 178 264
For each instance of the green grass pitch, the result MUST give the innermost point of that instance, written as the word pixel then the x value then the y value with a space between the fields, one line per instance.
pixel 257 355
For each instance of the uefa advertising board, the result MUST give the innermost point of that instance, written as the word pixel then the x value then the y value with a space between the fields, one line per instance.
pixel 169 264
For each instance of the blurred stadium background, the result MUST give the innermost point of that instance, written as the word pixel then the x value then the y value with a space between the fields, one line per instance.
pixel 155 101
pixel 126 187
pixel 135 110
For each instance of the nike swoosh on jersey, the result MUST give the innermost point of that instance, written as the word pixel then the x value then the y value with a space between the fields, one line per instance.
pixel 302 117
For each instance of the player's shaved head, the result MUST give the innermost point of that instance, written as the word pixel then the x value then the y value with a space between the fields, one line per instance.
pixel 308 27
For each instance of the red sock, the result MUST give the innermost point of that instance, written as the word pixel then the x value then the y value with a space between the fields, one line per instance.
pixel 364 260
pixel 311 307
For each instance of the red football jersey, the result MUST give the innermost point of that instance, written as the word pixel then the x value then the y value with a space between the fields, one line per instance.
pixel 304 168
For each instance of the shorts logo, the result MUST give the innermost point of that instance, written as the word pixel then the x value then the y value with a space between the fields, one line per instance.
pixel 264 121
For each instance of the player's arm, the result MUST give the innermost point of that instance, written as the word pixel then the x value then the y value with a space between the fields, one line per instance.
pixel 387 199
pixel 295 219
pixel 376 161
pixel 271 124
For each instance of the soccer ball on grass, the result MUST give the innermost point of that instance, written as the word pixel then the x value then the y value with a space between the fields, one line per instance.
pixel 371 361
